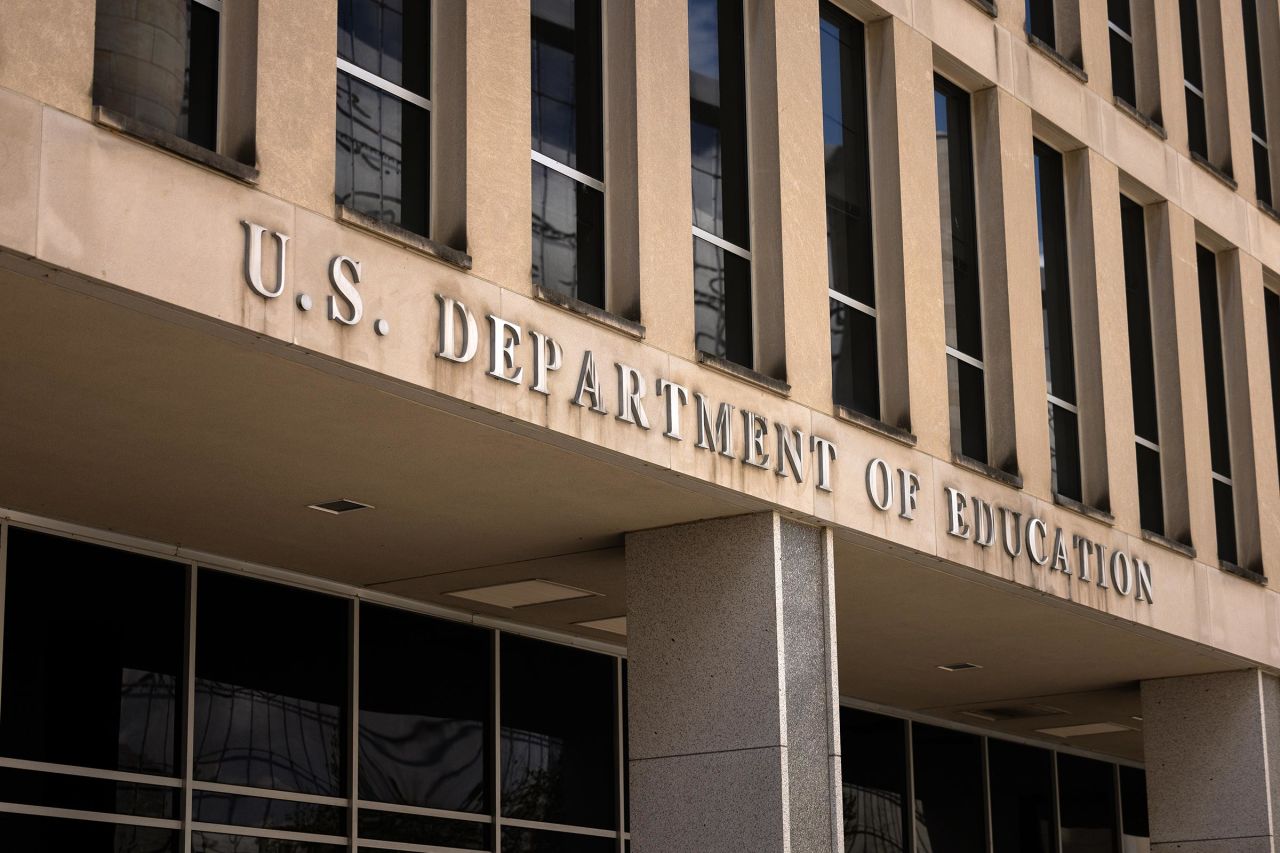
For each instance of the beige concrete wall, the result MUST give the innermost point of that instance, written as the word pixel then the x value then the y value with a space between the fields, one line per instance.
pixel 156 225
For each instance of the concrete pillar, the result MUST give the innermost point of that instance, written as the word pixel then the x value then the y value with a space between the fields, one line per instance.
pixel 1212 762
pixel 733 702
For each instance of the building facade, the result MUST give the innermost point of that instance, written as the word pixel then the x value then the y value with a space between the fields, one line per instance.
pixel 866 440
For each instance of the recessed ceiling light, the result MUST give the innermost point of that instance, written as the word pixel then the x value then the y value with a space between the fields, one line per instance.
pixel 1013 712
pixel 611 625
pixel 522 593
pixel 1085 730
pixel 1136 719
pixel 340 506
pixel 958 667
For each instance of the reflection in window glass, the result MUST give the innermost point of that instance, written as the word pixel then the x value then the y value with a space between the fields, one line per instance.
pixel 383 147
pixel 855 367
pixel 423 739
pixel 1022 818
pixel 1086 804
pixel 1120 25
pixel 1040 22
pixel 568 236
pixel 213 842
pixel 64 791
pixel 93 654
pixel 949 807
pixel 389 38
pixel 1215 378
pixel 558 762
pixel 32 834
pixel 962 293
pixel 271 686
pixel 568 129
pixel 1134 826
pixel 267 813
pixel 874 782
pixel 1146 419
pixel 722 302
pixel 1059 348
pixel 401 828
pixel 718 135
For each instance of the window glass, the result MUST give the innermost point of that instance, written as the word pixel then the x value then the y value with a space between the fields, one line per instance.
pixel 1257 101
pixel 383 146
pixel 568 236
pixel 543 841
pixel 1022 816
pixel 1193 77
pixel 558 759
pixel 401 828
pixel 1059 348
pixel 567 107
pixel 855 370
pixel 1135 828
pixel 94 642
pixel 717 105
pixel 1215 386
pixel 874 780
pixel 32 834
pixel 1272 300
pixel 271 685
pixel 1040 22
pixel 722 302
pixel 389 38
pixel 267 813
pixel 160 69
pixel 950 811
pixel 960 285
pixel 213 842
pixel 423 740
pixel 1146 420
pixel 1087 804
pixel 81 793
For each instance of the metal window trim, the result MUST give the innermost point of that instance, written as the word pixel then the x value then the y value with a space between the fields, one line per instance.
pixel 1118 30
pixel 1223 479
pixel 619 752
pixel 850 302
pixel 215 5
pixel 722 243
pixel 567 171
pixel 353 725
pixel 423 811
pixel 376 844
pixel 348 67
pixel 269 794
pixel 1147 443
pixel 1260 140
pixel 1064 405
pixel 264 832
pixel 90 772
pixel 1193 88
pixel 568 829
pixel 966 358
pixel 95 817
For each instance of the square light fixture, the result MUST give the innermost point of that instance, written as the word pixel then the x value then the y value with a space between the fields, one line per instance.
pixel 958 667
pixel 522 593
pixel 1085 730
pixel 611 625
pixel 340 506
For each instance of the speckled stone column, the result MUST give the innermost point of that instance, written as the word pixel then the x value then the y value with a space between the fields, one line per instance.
pixel 733 703
pixel 1212 745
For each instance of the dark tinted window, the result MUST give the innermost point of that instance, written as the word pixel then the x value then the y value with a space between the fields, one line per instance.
pixel 161 69
pixel 718 134
pixel 271 685
pixel 568 128
pixel 1059 348
pixel 1087 804
pixel 950 812
pixel 389 38
pixel 1040 21
pixel 961 292
pixel 1257 100
pixel 850 255
pixel 1142 371
pixel 1273 349
pixel 383 139
pixel 1216 399
pixel 874 780
pixel 1133 806
pixel 558 742
pixel 544 841
pixel 1022 815
pixel 93 655
pixel 1123 83
pixel 423 740
pixel 1193 77
pixel 31 834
